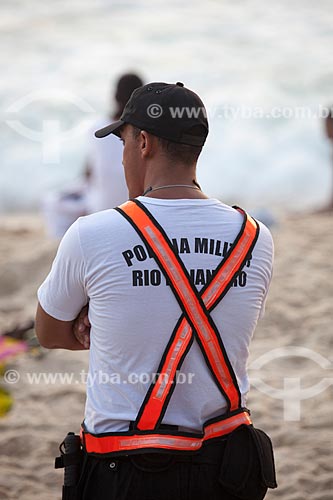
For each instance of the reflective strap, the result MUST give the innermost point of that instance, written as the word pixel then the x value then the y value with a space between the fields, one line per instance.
pixel 232 265
pixel 224 427
pixel 196 311
pixel 153 408
pixel 226 273
pixel 176 351
pixel 117 443
pixel 186 296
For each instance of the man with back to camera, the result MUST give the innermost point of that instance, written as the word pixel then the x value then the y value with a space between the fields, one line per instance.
pixel 175 283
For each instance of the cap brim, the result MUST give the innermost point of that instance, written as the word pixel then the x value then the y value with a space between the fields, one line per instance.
pixel 110 129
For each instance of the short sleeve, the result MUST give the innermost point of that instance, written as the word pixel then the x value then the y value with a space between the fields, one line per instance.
pixel 63 294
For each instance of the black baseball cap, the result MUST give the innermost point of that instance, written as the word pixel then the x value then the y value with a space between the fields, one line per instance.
pixel 170 111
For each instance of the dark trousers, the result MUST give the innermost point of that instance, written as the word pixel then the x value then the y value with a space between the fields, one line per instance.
pixel 155 476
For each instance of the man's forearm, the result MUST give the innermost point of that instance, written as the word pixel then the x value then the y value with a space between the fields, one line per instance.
pixel 55 334
pixel 69 342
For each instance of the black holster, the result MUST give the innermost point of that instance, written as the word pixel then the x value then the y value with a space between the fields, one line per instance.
pixel 248 468
pixel 71 460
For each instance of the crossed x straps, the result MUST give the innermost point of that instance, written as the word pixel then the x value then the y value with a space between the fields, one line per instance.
pixel 196 321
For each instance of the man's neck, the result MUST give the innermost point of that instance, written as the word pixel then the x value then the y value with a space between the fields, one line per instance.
pixel 172 182
pixel 175 191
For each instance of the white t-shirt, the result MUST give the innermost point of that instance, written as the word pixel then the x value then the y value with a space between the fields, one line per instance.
pixel 133 311
pixel 106 187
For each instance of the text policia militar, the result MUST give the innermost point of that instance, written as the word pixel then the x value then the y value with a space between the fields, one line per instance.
pixel 154 277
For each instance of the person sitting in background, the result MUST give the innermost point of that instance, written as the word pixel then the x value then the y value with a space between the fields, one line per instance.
pixel 104 185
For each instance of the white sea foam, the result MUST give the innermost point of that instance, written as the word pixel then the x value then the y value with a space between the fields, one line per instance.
pixel 234 54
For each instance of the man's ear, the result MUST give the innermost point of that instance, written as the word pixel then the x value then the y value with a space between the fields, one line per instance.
pixel 146 143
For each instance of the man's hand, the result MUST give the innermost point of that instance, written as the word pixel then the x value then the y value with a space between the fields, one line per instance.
pixel 81 327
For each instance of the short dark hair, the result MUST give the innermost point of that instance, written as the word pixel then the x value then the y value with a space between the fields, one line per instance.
pixel 175 151
pixel 125 87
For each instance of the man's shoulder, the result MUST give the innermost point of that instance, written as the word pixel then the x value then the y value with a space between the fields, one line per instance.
pixel 100 232
pixel 93 223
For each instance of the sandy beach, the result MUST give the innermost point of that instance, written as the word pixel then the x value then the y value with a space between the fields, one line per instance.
pixel 290 366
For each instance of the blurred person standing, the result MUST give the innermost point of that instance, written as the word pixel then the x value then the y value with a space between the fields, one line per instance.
pixel 104 184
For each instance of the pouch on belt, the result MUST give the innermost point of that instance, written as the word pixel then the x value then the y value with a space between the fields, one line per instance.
pixel 248 469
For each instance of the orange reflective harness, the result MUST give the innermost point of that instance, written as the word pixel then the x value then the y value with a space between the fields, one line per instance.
pixel 195 322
